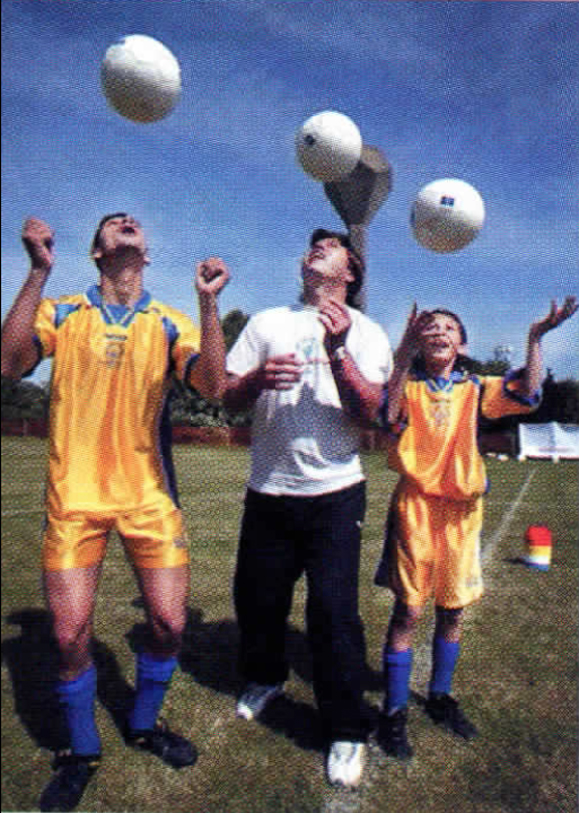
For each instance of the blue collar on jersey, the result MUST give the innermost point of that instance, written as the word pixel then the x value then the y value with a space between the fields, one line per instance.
pixel 117 314
pixel 438 383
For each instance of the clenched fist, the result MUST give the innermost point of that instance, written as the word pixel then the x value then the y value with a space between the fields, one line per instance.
pixel 38 239
pixel 211 276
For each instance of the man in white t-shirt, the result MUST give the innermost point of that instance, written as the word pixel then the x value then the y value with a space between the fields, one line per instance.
pixel 313 373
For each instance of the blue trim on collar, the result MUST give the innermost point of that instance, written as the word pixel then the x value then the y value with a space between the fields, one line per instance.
pixel 438 383
pixel 118 312
pixel 94 296
pixel 62 311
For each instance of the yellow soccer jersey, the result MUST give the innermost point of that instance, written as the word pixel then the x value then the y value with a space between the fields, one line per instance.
pixel 109 429
pixel 435 446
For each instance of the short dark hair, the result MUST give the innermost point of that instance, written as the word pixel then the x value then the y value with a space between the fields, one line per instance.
pixel 356 263
pixel 97 235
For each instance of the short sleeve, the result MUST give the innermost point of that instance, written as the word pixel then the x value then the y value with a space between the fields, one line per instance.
pixel 373 356
pixel 248 351
pixel 45 327
pixel 504 396
pixel 185 339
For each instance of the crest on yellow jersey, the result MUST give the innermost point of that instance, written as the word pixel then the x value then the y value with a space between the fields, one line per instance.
pixel 114 350
pixel 440 413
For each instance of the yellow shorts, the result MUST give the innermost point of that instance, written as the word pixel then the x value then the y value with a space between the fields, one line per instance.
pixel 432 548
pixel 154 537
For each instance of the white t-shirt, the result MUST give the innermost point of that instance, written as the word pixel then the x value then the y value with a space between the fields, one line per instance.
pixel 303 443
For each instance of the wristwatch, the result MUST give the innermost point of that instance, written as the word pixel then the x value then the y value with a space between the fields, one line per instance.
pixel 339 353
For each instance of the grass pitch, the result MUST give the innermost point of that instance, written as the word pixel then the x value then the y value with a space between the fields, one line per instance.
pixel 517 677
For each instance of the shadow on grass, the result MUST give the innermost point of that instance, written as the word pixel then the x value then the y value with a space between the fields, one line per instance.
pixel 519 560
pixel 296 721
pixel 208 652
pixel 114 693
pixel 210 655
pixel 32 661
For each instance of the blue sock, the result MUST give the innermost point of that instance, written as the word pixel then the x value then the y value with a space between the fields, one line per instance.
pixel 153 678
pixel 77 698
pixel 397 668
pixel 444 657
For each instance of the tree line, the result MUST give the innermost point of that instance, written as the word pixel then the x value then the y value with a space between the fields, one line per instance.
pixel 29 401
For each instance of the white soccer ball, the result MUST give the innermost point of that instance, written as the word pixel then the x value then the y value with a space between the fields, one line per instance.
pixel 447 215
pixel 141 78
pixel 328 146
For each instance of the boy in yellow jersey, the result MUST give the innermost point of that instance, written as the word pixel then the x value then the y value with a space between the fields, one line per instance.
pixel 431 410
pixel 115 350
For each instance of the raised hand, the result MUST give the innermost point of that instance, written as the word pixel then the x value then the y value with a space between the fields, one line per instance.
pixel 211 276
pixel 38 239
pixel 336 319
pixel 556 316
pixel 417 323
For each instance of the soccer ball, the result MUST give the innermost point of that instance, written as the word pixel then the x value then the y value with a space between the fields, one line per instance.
pixel 141 78
pixel 328 146
pixel 447 215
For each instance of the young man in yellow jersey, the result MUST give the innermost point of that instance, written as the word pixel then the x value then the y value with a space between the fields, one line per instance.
pixel 434 523
pixel 115 350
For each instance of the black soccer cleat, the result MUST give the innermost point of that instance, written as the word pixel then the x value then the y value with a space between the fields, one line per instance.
pixel 172 748
pixel 392 734
pixel 445 711
pixel 72 775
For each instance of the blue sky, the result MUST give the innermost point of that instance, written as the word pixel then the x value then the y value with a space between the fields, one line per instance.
pixel 483 91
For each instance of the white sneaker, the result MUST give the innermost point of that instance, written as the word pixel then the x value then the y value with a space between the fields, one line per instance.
pixel 255 698
pixel 346 763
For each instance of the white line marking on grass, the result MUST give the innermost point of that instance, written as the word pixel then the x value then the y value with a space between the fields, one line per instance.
pixel 336 801
pixel 489 548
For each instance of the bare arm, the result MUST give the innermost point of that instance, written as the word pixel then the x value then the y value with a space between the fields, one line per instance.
pixel 533 372
pixel 403 358
pixel 360 398
pixel 209 375
pixel 19 353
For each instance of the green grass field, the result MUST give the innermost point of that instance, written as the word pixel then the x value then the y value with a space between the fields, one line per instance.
pixel 517 676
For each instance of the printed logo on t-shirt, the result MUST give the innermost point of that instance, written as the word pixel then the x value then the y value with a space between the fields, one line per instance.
pixel 306 349
pixel 311 352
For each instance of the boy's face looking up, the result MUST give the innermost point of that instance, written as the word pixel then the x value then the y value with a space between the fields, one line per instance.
pixel 440 343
